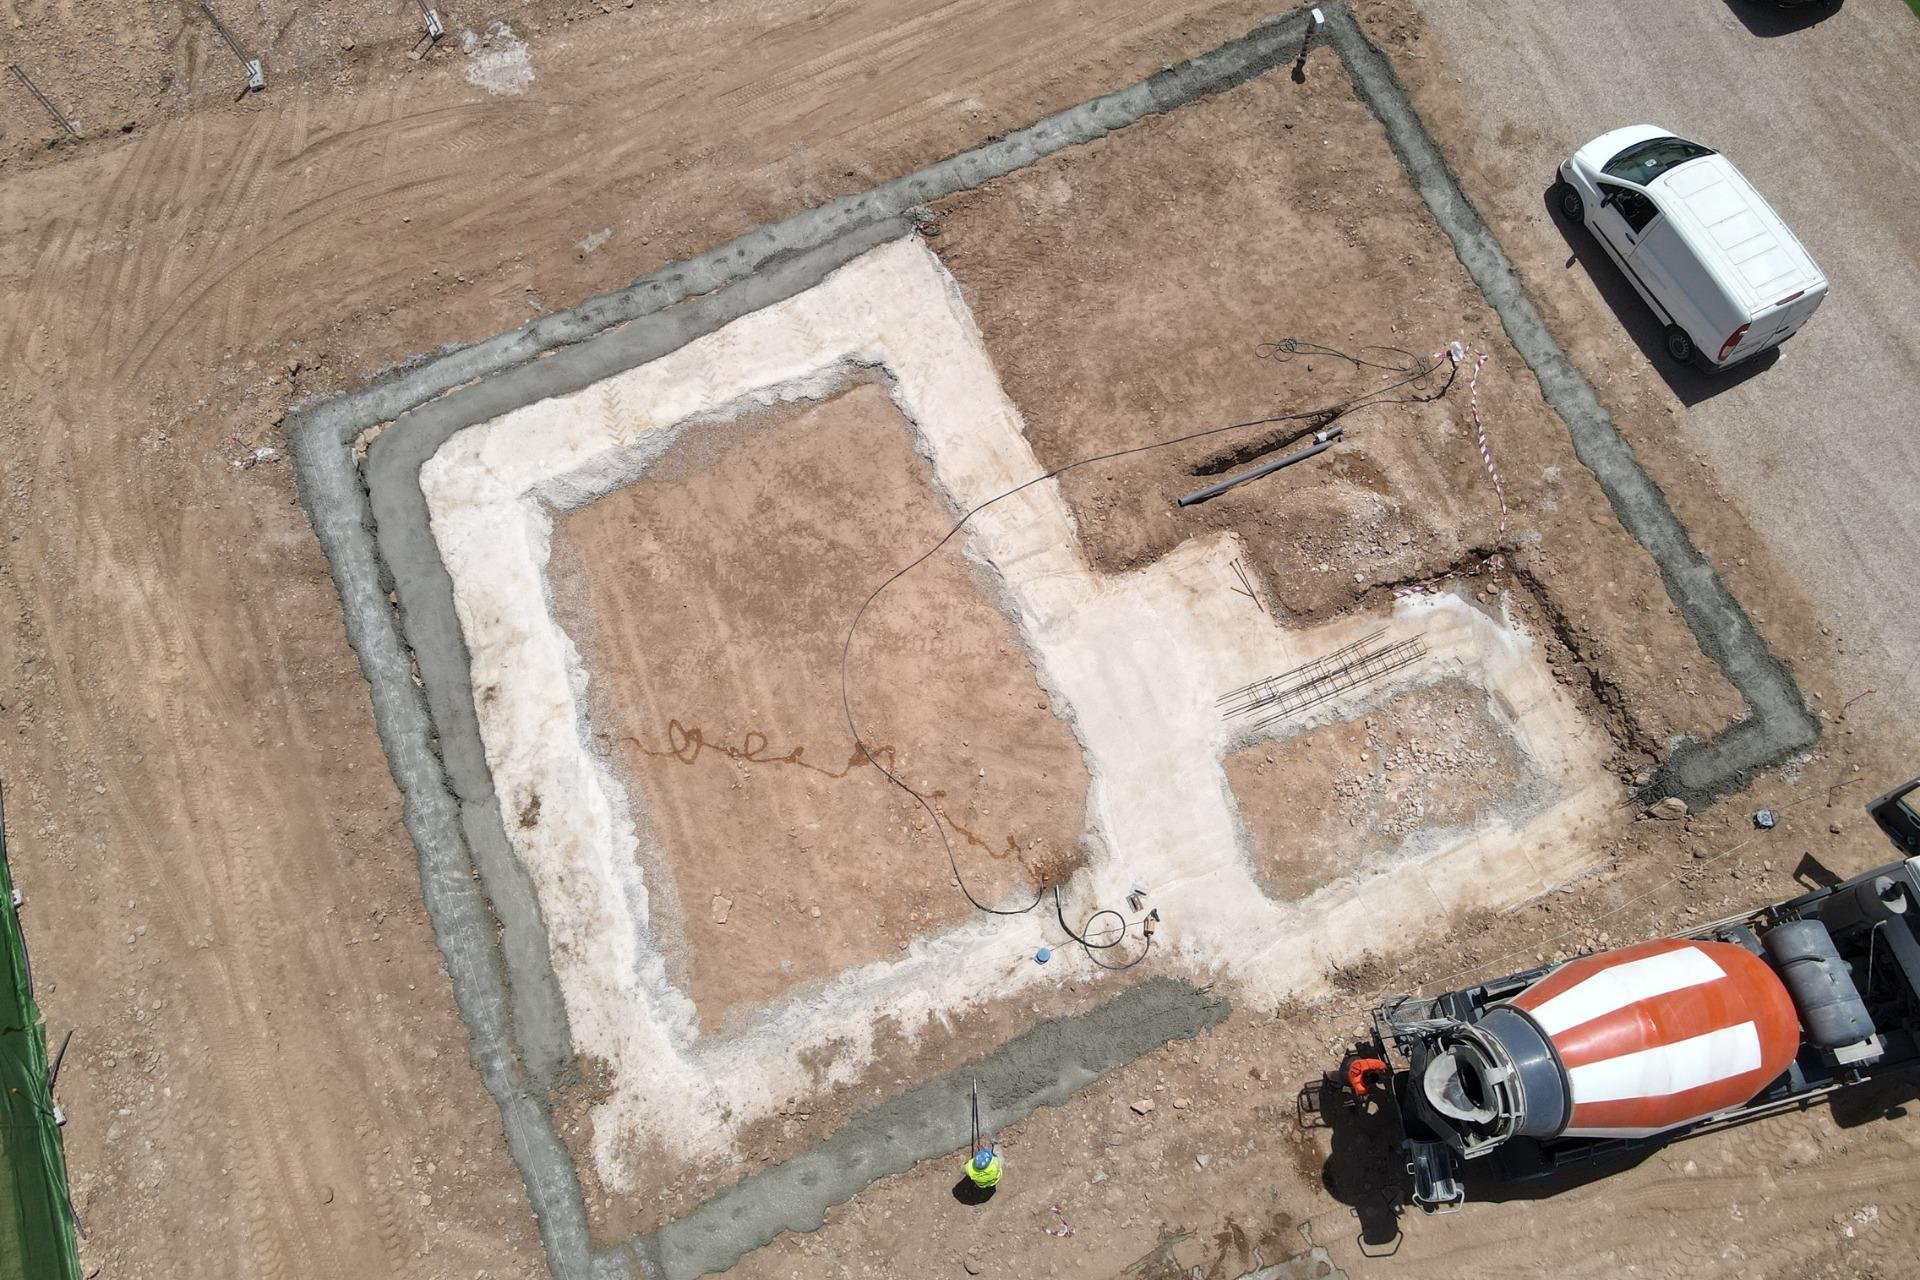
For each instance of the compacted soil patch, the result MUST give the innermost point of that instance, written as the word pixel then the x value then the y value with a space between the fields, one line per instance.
pixel 1423 769
pixel 711 600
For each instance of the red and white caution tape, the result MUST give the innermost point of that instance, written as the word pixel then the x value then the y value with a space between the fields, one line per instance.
pixel 1493 563
pixel 1486 454
pixel 1458 355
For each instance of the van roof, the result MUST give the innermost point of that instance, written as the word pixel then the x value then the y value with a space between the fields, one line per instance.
pixel 1742 239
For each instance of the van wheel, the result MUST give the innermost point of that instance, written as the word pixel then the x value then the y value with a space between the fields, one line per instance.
pixel 1570 203
pixel 1679 344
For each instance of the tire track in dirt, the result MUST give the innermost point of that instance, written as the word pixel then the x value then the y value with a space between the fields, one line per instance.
pixel 187 304
pixel 45 309
pixel 822 74
pixel 138 633
pixel 320 155
pixel 188 301
pixel 250 183
pixel 155 635
pixel 1037 50
pixel 277 1142
pixel 442 133
pixel 1021 34
pixel 129 203
pixel 813 79
pixel 393 1240
pixel 235 200
pixel 381 130
pixel 341 968
pixel 232 1060
pixel 237 217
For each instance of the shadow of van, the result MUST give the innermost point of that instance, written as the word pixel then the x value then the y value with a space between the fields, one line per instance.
pixel 1773 18
pixel 1689 384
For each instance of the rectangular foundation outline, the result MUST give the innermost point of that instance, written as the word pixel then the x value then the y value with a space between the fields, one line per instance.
pixel 426 723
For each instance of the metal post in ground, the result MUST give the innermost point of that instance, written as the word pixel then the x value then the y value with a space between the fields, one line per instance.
pixel 41 98
pixel 1306 46
pixel 256 77
pixel 432 19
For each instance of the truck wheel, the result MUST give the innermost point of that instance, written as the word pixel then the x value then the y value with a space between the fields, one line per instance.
pixel 1679 344
pixel 1570 202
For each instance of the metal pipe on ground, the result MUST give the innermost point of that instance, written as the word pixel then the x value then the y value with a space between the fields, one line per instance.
pixel 41 98
pixel 1323 441
pixel 256 76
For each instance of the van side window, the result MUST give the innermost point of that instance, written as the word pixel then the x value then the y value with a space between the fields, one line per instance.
pixel 1637 208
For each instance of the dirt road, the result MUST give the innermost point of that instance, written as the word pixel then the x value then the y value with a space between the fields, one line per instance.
pixel 1817 449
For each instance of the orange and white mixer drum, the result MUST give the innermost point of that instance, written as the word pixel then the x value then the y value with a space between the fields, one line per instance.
pixel 1661 1034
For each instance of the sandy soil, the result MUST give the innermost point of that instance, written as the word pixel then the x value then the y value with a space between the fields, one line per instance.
pixel 1125 290
pixel 188 730
pixel 200 814
pixel 113 69
pixel 717 592
pixel 1327 802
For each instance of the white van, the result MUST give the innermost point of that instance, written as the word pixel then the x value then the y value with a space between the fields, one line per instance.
pixel 1705 250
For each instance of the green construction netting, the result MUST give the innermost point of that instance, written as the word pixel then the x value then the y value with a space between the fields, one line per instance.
pixel 36 1231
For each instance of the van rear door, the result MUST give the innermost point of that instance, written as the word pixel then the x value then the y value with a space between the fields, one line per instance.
pixel 1781 321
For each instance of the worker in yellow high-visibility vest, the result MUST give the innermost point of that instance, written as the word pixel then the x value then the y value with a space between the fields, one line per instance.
pixel 984 1168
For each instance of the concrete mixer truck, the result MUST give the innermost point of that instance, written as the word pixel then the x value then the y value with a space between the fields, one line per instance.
pixel 1641 1045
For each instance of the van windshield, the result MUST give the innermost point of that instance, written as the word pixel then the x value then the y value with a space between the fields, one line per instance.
pixel 1644 161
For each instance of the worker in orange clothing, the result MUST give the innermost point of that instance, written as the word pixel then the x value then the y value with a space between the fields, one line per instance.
pixel 1364 1075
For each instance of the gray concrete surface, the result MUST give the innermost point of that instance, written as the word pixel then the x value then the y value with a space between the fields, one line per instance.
pixel 1817 109
pixel 1315 1264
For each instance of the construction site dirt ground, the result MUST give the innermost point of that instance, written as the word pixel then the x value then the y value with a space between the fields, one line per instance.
pixel 269 1076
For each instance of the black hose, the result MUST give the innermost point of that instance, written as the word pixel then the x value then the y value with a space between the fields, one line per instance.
pixel 53 1072
pixel 1095 948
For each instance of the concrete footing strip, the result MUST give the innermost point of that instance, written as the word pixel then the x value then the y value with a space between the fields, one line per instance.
pixel 1779 724
pixel 1042 1068
pixel 503 984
